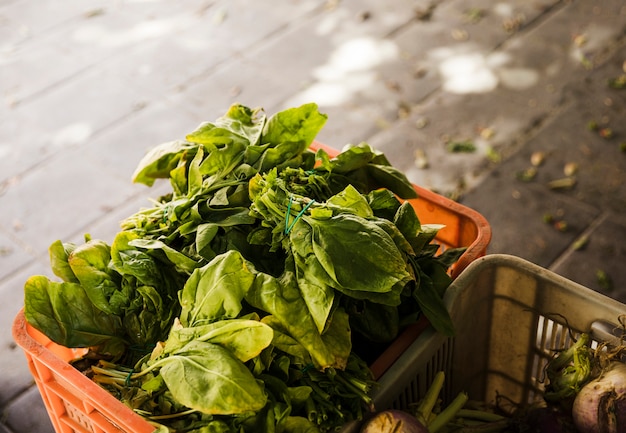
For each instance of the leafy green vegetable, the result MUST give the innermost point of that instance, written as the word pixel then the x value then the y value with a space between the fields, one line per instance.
pixel 215 291
pixel 233 303
pixel 69 317
pixel 208 378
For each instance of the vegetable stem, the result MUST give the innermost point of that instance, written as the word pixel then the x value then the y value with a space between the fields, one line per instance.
pixel 425 408
pixel 479 415
pixel 448 414
pixel 488 427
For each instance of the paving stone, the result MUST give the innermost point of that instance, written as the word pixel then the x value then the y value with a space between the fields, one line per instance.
pixel 61 196
pixel 517 214
pixel 364 95
pixel 28 414
pixel 239 81
pixel 103 100
pixel 13 256
pixel 596 261
pixel 23 145
pixel 496 120
pixel 22 75
pixel 37 19
pixel 16 376
pixel 120 148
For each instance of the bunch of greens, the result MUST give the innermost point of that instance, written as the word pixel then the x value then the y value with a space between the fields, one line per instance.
pixel 233 304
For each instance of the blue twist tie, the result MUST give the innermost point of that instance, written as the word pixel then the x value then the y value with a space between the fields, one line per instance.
pixel 289 226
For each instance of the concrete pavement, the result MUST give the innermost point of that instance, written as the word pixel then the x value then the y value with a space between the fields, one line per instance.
pixel 86 88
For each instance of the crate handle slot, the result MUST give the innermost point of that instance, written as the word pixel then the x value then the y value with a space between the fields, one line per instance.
pixel 608 332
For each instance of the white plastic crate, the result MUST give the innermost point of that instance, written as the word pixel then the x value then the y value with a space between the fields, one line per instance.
pixel 510 315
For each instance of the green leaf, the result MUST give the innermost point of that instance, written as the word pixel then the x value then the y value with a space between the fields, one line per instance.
pixel 384 204
pixel 378 323
pixel 450 256
pixel 215 291
pixel 222 160
pixel 204 236
pixel 59 254
pixel 349 159
pixel 285 342
pixel 128 260
pixel 356 253
pixel 294 125
pixel 178 259
pixel 162 159
pixel 148 318
pixel 208 378
pixel 90 263
pixel 238 123
pixel 429 297
pixel 65 313
pixel 281 298
pixel 244 338
pixel 316 293
pixel 298 424
pixel 194 175
pixel 386 176
pixel 351 201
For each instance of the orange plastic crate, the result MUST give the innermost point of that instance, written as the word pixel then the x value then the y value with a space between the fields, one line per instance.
pixel 76 404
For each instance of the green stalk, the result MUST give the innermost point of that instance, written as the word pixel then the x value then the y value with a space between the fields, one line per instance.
pixel 356 389
pixel 425 407
pixel 488 427
pixel 479 415
pixel 449 413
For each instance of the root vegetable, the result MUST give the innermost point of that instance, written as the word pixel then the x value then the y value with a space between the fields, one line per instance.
pixel 600 406
pixel 394 421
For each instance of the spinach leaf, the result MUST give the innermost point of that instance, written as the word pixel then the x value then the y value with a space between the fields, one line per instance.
pixel 178 259
pixel 280 297
pixel 356 253
pixel 130 261
pixel 161 160
pixel 65 313
pixel 239 122
pixel 215 291
pixel 90 264
pixel 243 337
pixel 431 305
pixel 210 379
pixel 59 254
pixel 368 169
pixel 299 125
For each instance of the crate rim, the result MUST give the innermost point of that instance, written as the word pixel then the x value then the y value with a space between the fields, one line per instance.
pixel 509 260
pixel 105 404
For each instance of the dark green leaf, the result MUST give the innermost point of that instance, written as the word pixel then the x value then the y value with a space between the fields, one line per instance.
pixel 162 159
pixel 244 338
pixel 430 300
pixel 65 313
pixel 208 378
pixel 215 291
pixel 90 263
pixel 294 125
pixel 59 254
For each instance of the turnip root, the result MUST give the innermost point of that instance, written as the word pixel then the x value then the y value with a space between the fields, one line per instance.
pixel 393 421
pixel 600 406
pixel 423 420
